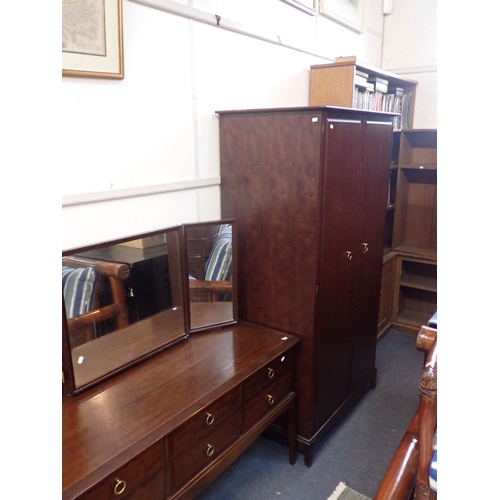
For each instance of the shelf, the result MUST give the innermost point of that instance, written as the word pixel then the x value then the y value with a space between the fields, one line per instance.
pixel 415 223
pixel 419 282
pixel 418 147
pixel 418 251
pixel 418 274
pixel 413 318
pixel 419 166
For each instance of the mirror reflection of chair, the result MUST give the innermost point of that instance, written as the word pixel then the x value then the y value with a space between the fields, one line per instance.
pixel 94 293
pixel 211 266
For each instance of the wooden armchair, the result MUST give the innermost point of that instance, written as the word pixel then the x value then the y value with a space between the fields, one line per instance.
pixel 210 264
pixel 408 474
pixel 110 278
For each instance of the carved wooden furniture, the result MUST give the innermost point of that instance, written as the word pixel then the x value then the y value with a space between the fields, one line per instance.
pixel 81 327
pixel 167 427
pixel 308 187
pixel 408 473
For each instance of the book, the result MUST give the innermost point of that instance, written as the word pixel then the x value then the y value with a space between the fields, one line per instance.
pixel 362 74
pixel 363 98
pixel 361 83
pixel 376 79
pixel 359 80
pixel 381 87
pixel 398 91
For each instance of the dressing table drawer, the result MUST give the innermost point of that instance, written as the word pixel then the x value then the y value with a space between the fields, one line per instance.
pixel 123 482
pixel 266 375
pixel 204 451
pixel 202 422
pixel 151 489
pixel 265 400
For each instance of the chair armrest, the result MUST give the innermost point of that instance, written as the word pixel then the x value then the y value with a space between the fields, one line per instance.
pixel 399 478
pixel 211 286
pixel 114 269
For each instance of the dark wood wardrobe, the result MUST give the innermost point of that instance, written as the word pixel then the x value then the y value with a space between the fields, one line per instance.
pixel 308 187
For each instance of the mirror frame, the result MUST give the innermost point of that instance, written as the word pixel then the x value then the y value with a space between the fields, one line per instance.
pixel 69 387
pixel 217 324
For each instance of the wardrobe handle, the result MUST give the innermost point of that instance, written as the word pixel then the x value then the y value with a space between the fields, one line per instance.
pixel 348 255
pixel 270 399
pixel 365 247
pixel 270 373
pixel 210 419
pixel 210 450
pixel 120 486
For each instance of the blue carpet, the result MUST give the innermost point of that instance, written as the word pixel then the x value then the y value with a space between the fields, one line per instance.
pixel 357 451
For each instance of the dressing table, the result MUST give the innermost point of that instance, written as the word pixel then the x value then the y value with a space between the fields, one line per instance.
pixel 162 420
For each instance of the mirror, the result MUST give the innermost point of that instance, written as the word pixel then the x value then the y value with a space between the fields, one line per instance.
pixel 211 256
pixel 122 302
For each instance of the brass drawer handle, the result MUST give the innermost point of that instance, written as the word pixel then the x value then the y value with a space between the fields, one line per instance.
pixel 365 247
pixel 270 399
pixel 270 372
pixel 348 255
pixel 120 486
pixel 210 450
pixel 210 419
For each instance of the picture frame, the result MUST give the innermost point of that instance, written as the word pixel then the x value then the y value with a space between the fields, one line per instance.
pixel 92 38
pixel 350 13
pixel 309 6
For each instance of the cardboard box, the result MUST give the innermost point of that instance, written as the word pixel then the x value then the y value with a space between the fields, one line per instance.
pixel 151 241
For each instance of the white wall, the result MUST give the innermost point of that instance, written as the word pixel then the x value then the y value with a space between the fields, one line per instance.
pixel 410 49
pixel 136 149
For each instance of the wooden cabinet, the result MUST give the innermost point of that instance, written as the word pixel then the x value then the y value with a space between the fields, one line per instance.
pixel 167 427
pixel 337 84
pixel 308 187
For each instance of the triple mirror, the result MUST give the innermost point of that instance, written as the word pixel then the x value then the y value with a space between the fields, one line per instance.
pixel 127 299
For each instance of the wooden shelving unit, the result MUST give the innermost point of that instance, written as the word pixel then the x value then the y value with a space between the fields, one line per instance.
pixel 335 84
pixel 414 231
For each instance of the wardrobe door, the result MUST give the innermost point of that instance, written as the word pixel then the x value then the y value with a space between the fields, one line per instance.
pixel 340 188
pixel 372 206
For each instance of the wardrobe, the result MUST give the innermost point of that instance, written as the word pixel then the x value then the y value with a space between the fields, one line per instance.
pixel 308 187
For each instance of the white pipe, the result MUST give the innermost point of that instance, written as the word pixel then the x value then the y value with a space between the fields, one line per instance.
pixel 118 194
pixel 223 23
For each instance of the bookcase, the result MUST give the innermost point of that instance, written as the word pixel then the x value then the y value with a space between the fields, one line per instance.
pixel 411 239
pixel 343 82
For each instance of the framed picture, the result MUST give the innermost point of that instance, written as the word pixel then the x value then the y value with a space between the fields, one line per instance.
pixel 350 13
pixel 92 38
pixel 308 6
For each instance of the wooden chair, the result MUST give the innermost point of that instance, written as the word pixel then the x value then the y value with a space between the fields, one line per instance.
pixel 408 474
pixel 111 276
pixel 210 254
